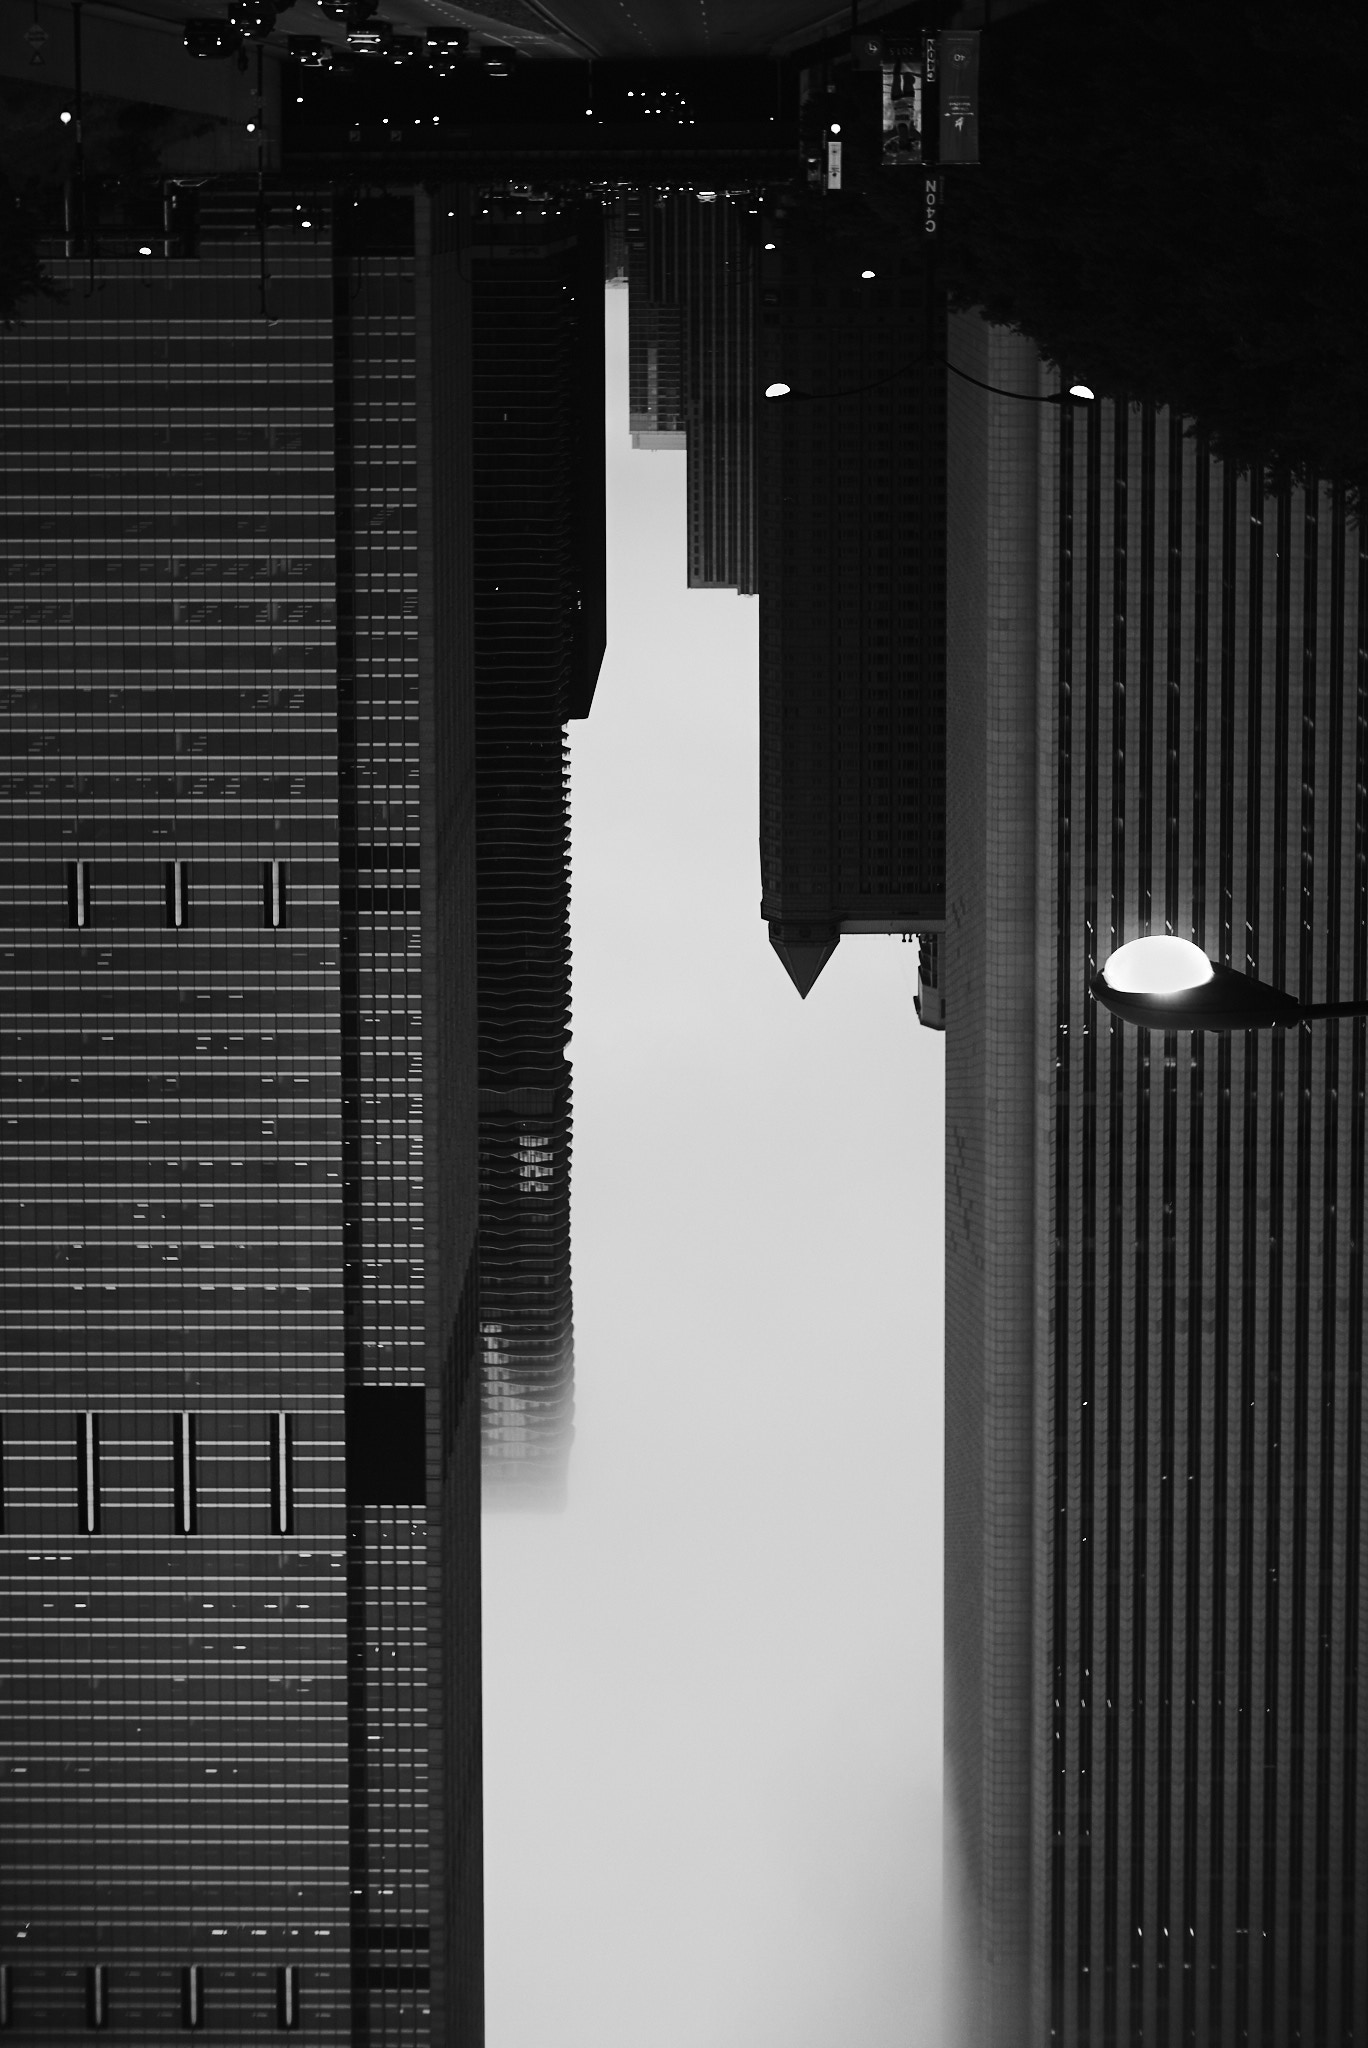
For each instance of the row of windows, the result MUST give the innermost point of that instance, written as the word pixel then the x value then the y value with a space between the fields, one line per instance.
pixel 149 613
pixel 100 2010
pixel 169 568
pixel 80 896
pixel 182 1473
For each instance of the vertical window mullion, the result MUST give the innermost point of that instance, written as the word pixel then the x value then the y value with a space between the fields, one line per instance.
pixel 287 1996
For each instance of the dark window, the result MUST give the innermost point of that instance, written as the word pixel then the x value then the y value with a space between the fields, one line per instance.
pixel 78 893
pixel 282 1474
pixel 386 1446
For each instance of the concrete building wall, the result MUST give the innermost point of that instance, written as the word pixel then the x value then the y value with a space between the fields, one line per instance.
pixel 988 976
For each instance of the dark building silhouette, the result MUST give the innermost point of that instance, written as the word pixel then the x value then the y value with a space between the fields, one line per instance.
pixel 537 270
pixel 655 322
pixel 1155 1577
pixel 240 1365
pixel 851 496
pixel 691 264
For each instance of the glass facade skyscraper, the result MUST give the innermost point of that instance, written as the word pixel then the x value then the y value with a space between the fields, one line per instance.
pixel 1155 1576
pixel 237 992
pixel 691 261
pixel 540 599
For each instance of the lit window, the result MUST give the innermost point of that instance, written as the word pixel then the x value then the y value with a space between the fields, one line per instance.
pixel 273 893
pixel 88 1474
pixel 287 1995
pixel 192 1995
pixel 177 893
pixel 282 1474
pixel 78 893
pixel 185 1474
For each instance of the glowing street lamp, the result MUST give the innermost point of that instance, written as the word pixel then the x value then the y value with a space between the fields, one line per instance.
pixel 1167 984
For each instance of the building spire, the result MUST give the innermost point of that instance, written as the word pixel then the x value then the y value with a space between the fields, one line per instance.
pixel 804 959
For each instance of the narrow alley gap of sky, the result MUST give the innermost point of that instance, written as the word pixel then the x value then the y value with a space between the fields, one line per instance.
pixel 713 1686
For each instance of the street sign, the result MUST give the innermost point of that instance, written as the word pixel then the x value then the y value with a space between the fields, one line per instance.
pixel 958 64
pixel 833 163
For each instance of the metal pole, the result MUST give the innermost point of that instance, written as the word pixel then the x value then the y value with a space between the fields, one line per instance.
pixel 1346 1009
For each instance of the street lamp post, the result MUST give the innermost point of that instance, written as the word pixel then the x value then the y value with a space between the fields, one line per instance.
pixel 1168 984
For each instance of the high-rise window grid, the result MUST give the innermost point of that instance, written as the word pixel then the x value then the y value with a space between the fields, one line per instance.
pixel 185 1149
pixel 1154 1337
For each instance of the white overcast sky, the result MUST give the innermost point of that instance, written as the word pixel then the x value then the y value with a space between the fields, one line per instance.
pixel 713 1686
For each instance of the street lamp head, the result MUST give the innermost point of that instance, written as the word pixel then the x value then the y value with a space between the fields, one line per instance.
pixel 778 391
pixel 1168 984
pixel 1157 966
pixel 1081 391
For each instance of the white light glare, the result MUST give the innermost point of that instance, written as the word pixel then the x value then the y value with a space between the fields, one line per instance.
pixel 1081 391
pixel 145 250
pixel 1159 966
pixel 835 128
pixel 771 245
pixel 866 273
pixel 777 390
pixel 251 127
pixel 65 119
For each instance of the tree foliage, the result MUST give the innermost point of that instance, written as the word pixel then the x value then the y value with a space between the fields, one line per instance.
pixel 1173 203
pixel 122 144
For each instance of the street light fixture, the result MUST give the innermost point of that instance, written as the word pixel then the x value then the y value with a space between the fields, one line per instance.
pixel 1076 393
pixel 1164 983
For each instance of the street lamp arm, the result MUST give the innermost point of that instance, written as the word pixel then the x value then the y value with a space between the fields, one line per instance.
pixel 1351 1008
pixel 777 395
pixel 1031 397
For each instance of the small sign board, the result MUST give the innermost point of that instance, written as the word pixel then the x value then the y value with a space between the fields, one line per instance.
pixel 833 163
pixel 958 66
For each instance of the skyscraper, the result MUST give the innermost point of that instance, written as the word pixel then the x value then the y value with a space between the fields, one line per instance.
pixel 692 257
pixel 240 1367
pixel 851 494
pixel 540 598
pixel 1158 706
